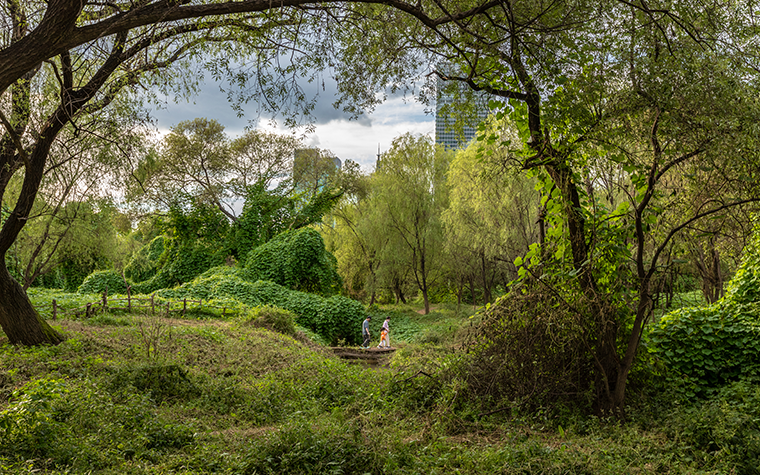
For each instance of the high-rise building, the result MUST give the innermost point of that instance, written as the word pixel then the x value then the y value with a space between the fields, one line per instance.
pixel 450 132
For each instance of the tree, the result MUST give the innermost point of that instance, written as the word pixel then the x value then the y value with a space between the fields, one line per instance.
pixel 198 163
pixel 493 210
pixel 411 194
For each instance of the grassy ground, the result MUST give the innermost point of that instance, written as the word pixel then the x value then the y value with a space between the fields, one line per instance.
pixel 148 395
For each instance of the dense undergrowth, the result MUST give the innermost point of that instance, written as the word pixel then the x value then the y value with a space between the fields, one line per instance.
pixel 146 394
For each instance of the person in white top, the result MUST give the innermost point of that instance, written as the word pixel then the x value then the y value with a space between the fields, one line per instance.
pixel 384 334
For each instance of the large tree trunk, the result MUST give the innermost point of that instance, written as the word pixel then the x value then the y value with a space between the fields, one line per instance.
pixel 18 318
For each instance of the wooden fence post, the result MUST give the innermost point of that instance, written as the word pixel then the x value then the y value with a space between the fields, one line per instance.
pixel 129 299
pixel 105 300
pixel 224 309
pixel 87 310
pixel 54 309
pixel 167 309
pixel 152 303
pixel 184 307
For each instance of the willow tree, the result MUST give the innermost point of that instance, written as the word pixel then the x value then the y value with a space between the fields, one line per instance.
pixel 492 213
pixel 410 193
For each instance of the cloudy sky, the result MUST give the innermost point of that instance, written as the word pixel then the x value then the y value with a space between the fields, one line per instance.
pixel 356 140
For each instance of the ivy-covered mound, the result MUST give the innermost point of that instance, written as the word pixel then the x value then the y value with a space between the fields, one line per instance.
pixel 296 259
pixel 719 343
pixel 334 318
pixel 144 262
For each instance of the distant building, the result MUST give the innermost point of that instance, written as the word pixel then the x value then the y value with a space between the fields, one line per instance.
pixel 449 132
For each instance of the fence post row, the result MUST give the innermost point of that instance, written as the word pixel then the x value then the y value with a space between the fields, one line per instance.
pixel 89 310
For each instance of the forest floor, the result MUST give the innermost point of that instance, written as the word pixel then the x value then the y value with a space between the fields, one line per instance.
pixel 142 394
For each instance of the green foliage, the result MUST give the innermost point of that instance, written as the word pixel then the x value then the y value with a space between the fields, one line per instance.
pixel 297 260
pixel 231 398
pixel 306 306
pixel 302 448
pixel 528 349
pixel 409 194
pixel 144 262
pixel 333 318
pixel 269 212
pixel 28 425
pixel 485 195
pixel 62 245
pixel 103 281
pixel 85 428
pixel 724 426
pixel 340 318
pixel 160 382
pixel 193 246
pixel 273 318
pixel 710 346
pixel 261 219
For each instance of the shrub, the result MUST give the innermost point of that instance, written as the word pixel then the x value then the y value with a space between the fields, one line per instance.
pixel 340 318
pixel 710 346
pixel 305 306
pixel 162 382
pixel 726 426
pixel 184 263
pixel 144 263
pixel 304 449
pixel 333 318
pixel 297 260
pixel 274 318
pixel 27 426
pixel 528 349
pixel 102 281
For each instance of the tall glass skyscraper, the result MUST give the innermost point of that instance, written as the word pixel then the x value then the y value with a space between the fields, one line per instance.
pixel 454 127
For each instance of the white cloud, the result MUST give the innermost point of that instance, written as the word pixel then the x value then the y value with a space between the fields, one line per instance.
pixel 348 139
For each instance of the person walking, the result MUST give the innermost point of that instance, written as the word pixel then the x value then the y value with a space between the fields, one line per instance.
pixel 365 332
pixel 385 341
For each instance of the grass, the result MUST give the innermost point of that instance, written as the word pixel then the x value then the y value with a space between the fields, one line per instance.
pixel 142 394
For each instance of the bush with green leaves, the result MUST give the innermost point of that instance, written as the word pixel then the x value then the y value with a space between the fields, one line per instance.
pixel 302 448
pixel 183 263
pixel 273 318
pixel 28 426
pixel 725 426
pixel 194 244
pixel 103 281
pixel 528 349
pixel 161 382
pixel 335 318
pixel 710 346
pixel 340 318
pixel 144 263
pixel 83 428
pixel 298 260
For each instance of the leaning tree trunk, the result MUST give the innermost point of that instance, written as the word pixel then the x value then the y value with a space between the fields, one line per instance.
pixel 18 318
